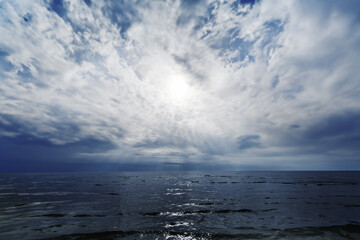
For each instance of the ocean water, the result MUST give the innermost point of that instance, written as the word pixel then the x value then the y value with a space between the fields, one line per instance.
pixel 180 205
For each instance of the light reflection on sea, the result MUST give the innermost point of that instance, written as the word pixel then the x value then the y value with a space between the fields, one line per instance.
pixel 180 205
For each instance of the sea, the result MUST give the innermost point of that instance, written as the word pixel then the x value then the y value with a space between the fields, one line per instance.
pixel 180 205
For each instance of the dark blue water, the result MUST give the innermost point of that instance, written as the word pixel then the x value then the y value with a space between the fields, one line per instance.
pixel 181 205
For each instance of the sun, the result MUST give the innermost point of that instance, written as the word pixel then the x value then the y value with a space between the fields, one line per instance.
pixel 178 89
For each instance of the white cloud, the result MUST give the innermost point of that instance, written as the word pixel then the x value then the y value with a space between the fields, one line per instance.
pixel 179 87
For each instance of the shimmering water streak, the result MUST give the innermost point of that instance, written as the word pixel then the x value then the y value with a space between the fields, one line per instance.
pixel 180 205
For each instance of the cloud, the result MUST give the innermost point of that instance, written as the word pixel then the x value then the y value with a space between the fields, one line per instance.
pixel 248 141
pixel 189 81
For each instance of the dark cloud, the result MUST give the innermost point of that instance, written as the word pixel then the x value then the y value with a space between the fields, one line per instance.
pixel 10 124
pixel 26 152
pixel 123 13
pixel 348 7
pixel 335 125
pixel 151 144
pixel 185 62
pixel 5 65
pixel 336 131
pixel 292 91
pixel 248 141
pixel 195 12
pixel 331 135
pixel 61 8
pixel 20 142
pixel 189 3
pixel 158 143
pixel 25 76
pixel 275 81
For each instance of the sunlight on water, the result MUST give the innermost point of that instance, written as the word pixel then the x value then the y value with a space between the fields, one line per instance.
pixel 181 205
pixel 182 237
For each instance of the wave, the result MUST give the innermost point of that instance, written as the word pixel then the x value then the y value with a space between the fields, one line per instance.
pixel 348 231
pixel 208 211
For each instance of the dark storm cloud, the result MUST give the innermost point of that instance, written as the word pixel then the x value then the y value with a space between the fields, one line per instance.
pixel 340 130
pixel 17 143
pixel 333 135
pixel 25 152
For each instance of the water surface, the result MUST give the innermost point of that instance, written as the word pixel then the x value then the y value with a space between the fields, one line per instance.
pixel 180 205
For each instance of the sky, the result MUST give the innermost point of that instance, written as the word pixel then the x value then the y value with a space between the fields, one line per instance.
pixel 179 85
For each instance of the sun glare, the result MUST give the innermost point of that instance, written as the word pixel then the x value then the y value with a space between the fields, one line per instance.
pixel 178 89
